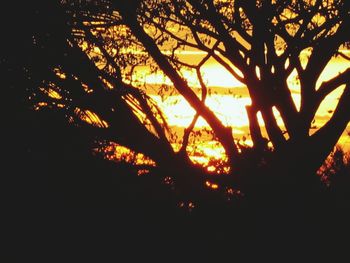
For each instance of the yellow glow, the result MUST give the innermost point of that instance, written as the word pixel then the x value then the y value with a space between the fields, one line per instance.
pixel 231 110
pixel 39 105
pixel 209 154
pixel 51 93
pixel 86 88
pixel 326 109
pixel 213 74
pixel 218 76
pixel 59 105
pixel 211 185
pixel 97 50
pixel 107 83
pixel 228 106
pixel 84 45
pixel 54 94
pixel 117 152
pixel 91 118
pixel 211 168
pixel 60 73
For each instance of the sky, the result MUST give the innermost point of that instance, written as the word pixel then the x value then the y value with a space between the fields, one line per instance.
pixel 228 97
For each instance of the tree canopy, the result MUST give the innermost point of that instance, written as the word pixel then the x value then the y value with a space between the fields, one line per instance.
pixel 91 60
pixel 71 88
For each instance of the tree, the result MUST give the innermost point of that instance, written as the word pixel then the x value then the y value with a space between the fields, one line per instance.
pixel 66 203
pixel 92 80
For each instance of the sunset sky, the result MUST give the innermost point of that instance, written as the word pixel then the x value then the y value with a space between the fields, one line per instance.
pixel 228 97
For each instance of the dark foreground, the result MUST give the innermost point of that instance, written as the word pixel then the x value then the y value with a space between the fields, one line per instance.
pixel 61 205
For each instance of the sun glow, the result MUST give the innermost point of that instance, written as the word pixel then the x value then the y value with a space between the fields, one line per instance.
pixel 230 110
pixel 117 152
pixel 215 75
pixel 227 98
pixel 91 118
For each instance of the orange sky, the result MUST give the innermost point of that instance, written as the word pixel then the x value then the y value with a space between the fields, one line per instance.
pixel 229 97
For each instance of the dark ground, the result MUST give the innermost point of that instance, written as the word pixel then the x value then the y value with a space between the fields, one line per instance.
pixel 62 205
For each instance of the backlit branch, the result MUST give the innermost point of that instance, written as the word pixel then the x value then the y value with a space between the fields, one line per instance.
pixel 224 134
pixel 329 86
pixel 204 90
pixel 232 46
pixel 341 54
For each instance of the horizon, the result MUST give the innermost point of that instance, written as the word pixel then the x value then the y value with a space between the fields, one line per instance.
pixel 229 101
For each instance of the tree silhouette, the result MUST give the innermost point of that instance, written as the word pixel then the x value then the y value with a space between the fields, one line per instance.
pixel 91 78
pixel 73 65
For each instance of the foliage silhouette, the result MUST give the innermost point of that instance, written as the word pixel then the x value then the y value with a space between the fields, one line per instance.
pixel 94 75
pixel 82 66
pixel 51 63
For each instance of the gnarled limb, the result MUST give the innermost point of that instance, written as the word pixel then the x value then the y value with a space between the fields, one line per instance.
pixel 223 133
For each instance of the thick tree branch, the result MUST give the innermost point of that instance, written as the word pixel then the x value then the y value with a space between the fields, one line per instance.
pixel 323 141
pixel 344 56
pixel 224 134
pixel 328 86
